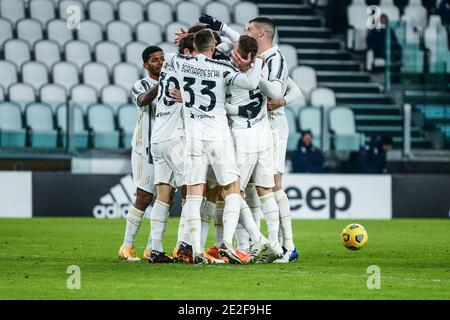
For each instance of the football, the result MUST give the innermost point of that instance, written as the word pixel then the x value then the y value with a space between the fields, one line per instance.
pixel 354 236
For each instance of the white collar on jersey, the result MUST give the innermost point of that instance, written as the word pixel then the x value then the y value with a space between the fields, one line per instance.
pixel 269 51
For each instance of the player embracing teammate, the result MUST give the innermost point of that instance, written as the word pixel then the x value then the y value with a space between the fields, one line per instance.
pixel 199 99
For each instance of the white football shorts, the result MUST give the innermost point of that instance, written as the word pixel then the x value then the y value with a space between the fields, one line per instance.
pixel 143 172
pixel 168 159
pixel 220 155
pixel 279 152
pixel 258 165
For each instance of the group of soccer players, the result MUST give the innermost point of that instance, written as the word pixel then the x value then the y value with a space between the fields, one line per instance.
pixel 220 134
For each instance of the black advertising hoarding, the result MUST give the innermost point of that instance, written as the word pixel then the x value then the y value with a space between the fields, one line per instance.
pixel 421 196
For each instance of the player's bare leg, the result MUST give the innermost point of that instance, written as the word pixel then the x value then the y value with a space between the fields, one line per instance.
pixel 134 220
pixel 158 221
pixel 282 200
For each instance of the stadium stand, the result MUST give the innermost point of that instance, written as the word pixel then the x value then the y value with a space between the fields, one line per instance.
pixel 45 61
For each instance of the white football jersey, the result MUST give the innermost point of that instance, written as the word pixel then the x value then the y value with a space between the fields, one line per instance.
pixel 251 127
pixel 140 141
pixel 168 124
pixel 203 83
pixel 278 71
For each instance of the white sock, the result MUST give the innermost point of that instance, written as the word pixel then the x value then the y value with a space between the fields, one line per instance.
pixel 231 216
pixel 271 214
pixel 252 199
pixel 207 213
pixel 246 220
pixel 193 221
pixel 134 219
pixel 218 223
pixel 181 225
pixel 158 222
pixel 242 238
pixel 285 219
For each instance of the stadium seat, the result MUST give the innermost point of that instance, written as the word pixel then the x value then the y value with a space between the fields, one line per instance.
pixel 125 75
pixel 114 96
pixel 133 53
pixel 90 32
pixel 168 47
pixel 173 3
pixel 35 73
pixel 39 119
pixel 126 118
pixel 290 54
pixel 78 52
pixel 201 3
pixel 12 134
pixel 95 74
pixel 218 10
pixel 47 52
pixel 237 27
pixel 107 52
pixel 149 33
pixel 65 74
pixel 2 94
pixel 64 5
pixel 323 97
pixel 357 20
pixel 6 31
pixel 80 134
pixel 119 32
pixel 294 135
pixel 42 10
pixel 17 51
pixel 244 12
pixel 232 3
pixel 130 11
pixel 412 54
pixel 9 74
pixel 160 12
pixel 305 78
pixel 84 95
pixel 101 11
pixel 188 12
pixel 29 30
pixel 57 31
pixel 343 129
pixel 173 27
pixel 417 13
pixel 53 95
pixel 22 94
pixel 435 40
pixel 390 10
pixel 310 119
pixel 12 10
pixel 100 121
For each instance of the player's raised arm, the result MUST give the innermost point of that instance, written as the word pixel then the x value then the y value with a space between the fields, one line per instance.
pixel 218 25
pixel 146 98
pixel 249 80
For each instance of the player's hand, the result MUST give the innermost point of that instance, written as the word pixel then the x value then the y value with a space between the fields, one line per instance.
pixel 179 35
pixel 211 21
pixel 175 94
pixel 274 104
pixel 242 64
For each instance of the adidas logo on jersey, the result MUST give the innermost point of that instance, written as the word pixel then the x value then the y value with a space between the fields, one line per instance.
pixel 116 202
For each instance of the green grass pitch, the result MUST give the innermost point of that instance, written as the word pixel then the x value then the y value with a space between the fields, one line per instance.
pixel 413 256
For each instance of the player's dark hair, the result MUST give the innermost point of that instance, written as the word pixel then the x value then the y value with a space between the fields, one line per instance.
pixel 247 45
pixel 197 28
pixel 268 23
pixel 186 42
pixel 149 51
pixel 200 26
pixel 203 40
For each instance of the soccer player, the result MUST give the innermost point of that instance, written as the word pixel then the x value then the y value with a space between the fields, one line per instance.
pixel 203 82
pixel 144 92
pixel 263 29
